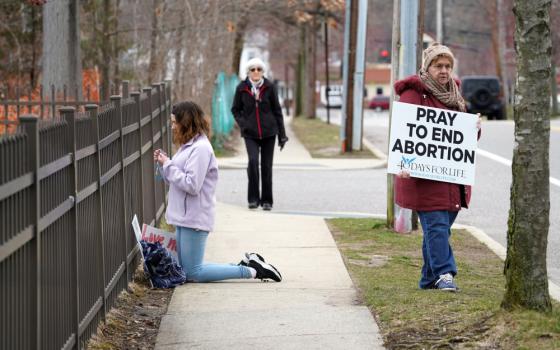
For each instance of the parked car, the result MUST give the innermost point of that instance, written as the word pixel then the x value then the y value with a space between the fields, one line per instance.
pixel 380 103
pixel 483 94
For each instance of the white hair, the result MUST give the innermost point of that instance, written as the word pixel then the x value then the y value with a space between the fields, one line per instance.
pixel 255 62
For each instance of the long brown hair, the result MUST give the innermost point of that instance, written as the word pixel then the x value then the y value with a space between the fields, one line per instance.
pixel 189 122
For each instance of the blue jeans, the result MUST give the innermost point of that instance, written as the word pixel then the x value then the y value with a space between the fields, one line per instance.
pixel 190 248
pixel 436 250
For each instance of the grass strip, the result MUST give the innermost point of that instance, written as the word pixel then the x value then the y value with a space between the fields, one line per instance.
pixel 322 139
pixel 385 267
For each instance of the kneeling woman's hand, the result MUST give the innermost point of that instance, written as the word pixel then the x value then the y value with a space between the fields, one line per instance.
pixel 160 156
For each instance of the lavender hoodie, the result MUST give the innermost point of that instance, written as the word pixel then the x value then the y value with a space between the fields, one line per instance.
pixel 192 175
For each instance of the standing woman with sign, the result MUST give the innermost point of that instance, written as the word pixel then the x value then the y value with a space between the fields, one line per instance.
pixel 192 175
pixel 257 111
pixel 437 203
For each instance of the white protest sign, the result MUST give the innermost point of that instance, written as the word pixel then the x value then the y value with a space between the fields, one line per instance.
pixel 136 228
pixel 138 234
pixel 167 239
pixel 433 143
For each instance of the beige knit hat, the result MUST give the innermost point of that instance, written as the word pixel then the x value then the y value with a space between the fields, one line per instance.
pixel 434 50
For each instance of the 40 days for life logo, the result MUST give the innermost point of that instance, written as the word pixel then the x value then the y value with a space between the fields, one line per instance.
pixel 433 143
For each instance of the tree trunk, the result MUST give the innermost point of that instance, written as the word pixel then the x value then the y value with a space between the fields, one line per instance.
pixel 311 105
pixel 238 43
pixel 525 266
pixel 61 46
pixel 116 46
pixel 153 66
pixel 162 46
pixel 179 61
pixel 105 50
pixel 34 47
pixel 300 74
pixel 135 34
pixel 553 87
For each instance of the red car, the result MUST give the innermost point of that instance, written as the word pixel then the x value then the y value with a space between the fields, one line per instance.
pixel 379 103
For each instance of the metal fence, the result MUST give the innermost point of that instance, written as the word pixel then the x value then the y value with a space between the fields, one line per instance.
pixel 69 188
pixel 46 102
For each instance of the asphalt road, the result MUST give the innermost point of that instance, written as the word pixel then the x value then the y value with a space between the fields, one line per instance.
pixel 490 201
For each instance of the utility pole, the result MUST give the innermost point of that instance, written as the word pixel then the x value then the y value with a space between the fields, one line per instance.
pixel 420 34
pixel 501 14
pixel 353 74
pixel 395 49
pixel 327 87
pixel 406 19
pixel 287 88
pixel 359 75
pixel 439 21
pixel 350 30
pixel 409 37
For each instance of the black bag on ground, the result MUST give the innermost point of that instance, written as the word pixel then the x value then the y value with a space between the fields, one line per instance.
pixel 163 270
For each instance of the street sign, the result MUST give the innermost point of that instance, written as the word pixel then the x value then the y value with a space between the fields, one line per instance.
pixel 433 143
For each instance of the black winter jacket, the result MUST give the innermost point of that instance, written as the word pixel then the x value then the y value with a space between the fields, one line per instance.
pixel 261 118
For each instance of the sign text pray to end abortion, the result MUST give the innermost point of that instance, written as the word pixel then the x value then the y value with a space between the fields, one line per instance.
pixel 433 143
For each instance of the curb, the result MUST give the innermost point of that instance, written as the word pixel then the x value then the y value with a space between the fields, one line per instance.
pixel 481 236
pixel 376 151
pixel 500 251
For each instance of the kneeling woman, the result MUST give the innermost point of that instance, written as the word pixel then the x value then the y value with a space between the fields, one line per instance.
pixel 192 175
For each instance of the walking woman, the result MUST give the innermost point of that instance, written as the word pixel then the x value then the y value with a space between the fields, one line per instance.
pixel 192 175
pixel 437 203
pixel 257 111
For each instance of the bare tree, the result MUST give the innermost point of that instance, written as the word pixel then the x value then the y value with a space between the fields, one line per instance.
pixel 153 67
pixel 525 266
pixel 179 57
pixel 555 23
pixel 104 60
pixel 61 46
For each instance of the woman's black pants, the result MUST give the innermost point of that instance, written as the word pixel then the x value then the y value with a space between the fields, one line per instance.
pixel 266 149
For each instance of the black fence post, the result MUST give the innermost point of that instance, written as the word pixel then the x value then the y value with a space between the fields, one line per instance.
pixel 165 130
pixel 150 111
pixel 92 109
pixel 68 114
pixel 125 89
pixel 138 111
pixel 29 123
pixel 163 117
pixel 116 100
pixel 168 109
pixel 159 123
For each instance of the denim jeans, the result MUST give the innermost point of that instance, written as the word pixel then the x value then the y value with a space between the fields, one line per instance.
pixel 191 245
pixel 436 250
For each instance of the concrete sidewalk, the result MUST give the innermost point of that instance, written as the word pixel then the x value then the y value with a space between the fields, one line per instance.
pixel 314 307
pixel 295 156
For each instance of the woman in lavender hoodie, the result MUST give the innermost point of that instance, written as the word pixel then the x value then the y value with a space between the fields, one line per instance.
pixel 192 175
